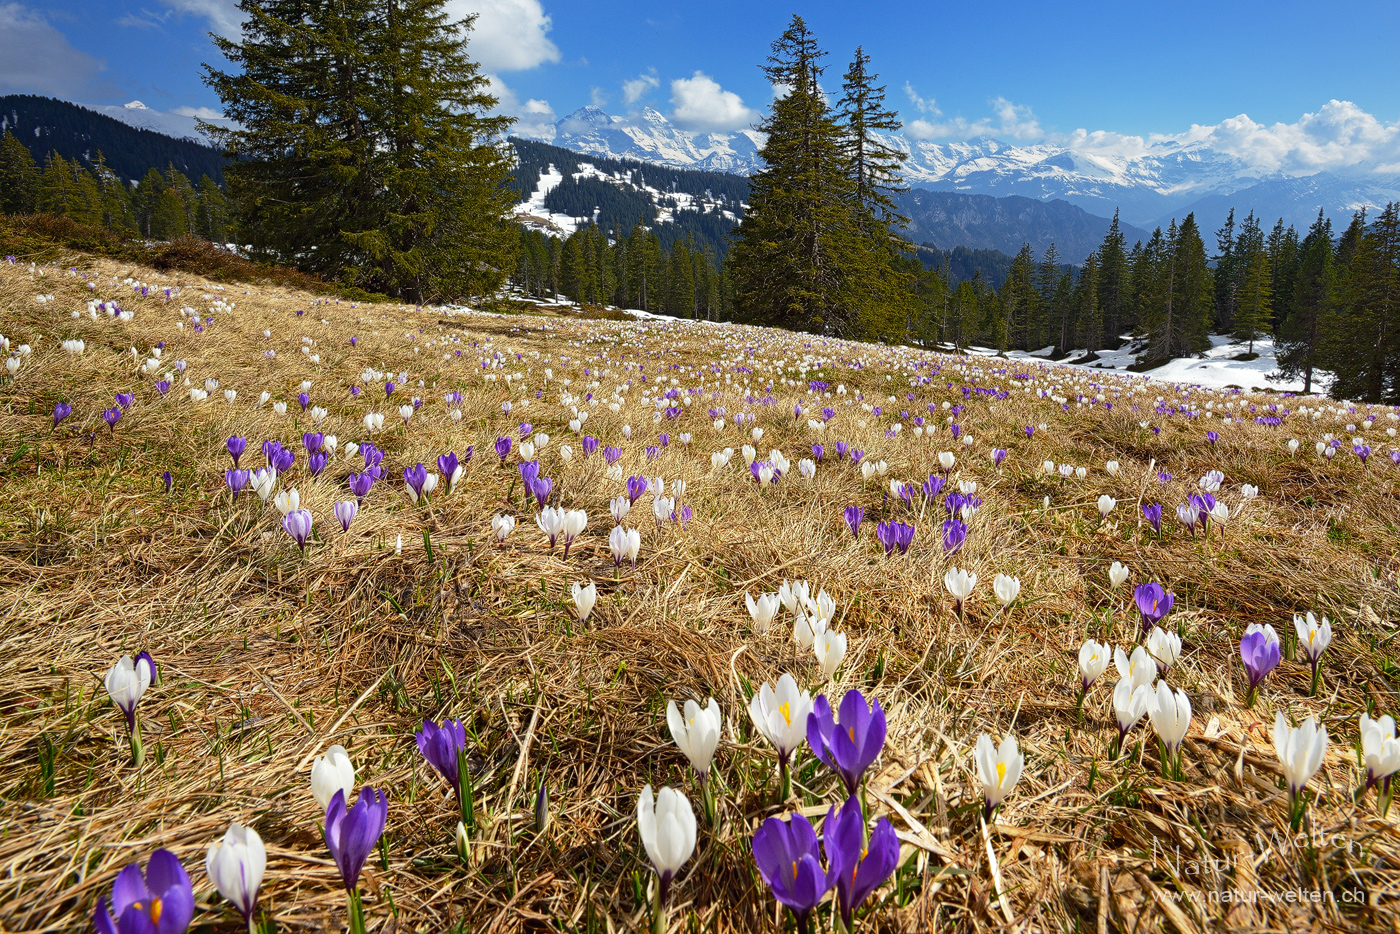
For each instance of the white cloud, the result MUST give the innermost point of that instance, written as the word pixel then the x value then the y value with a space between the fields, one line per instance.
pixel 509 35
pixel 36 58
pixel 1007 121
pixel 202 113
pixel 639 87
pixel 700 105
pixel 925 105
pixel 223 16
pixel 597 98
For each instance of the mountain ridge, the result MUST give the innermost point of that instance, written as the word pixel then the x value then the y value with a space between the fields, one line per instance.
pixel 1166 179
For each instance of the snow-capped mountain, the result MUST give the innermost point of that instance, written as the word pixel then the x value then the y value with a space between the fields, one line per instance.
pixel 1162 179
pixel 180 126
pixel 650 137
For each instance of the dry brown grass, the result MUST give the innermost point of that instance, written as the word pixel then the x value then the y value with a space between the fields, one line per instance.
pixel 268 656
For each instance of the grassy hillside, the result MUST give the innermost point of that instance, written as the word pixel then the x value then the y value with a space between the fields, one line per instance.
pixel 268 655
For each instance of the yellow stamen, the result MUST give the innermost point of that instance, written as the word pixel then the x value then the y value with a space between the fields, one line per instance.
pixel 852 731
pixel 155 910
pixel 794 871
pixel 787 715
pixel 1001 773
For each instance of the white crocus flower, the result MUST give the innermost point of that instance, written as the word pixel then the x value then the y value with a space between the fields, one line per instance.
pixel 1117 574
pixel 235 865
pixel 696 733
pixel 1106 504
pixel 829 647
pixel 1380 750
pixel 1313 637
pixel 1170 713
pixel 1299 750
pixel 1164 647
pixel 584 599
pixel 331 773
pixel 960 584
pixel 780 715
pixel 1093 661
pixel 287 501
pixel 998 769
pixel 1007 588
pixel 1137 669
pixel 667 827
pixel 763 610
pixel 502 525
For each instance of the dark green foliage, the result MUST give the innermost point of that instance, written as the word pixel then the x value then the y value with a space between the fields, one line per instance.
pixel 365 153
pixel 19 177
pixel 1360 331
pixel 1310 303
pixel 76 133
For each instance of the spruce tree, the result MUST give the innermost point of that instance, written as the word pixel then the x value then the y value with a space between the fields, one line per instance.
pixel 1087 315
pixel 1360 336
pixel 363 151
pixel 1114 286
pixel 19 177
pixel 1254 300
pixel 1229 268
pixel 1311 300
pixel 797 250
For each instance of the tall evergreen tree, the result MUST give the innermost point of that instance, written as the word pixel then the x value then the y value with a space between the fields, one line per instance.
pixel 1254 300
pixel 363 151
pixel 1114 287
pixel 1310 303
pixel 874 164
pixel 1087 314
pixel 19 177
pixel 796 253
pixel 1360 336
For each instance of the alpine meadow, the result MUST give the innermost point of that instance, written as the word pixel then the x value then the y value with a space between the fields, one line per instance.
pixel 446 517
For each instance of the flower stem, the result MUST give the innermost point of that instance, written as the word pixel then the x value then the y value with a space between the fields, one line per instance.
pixel 356 910
pixel 138 751
pixel 786 788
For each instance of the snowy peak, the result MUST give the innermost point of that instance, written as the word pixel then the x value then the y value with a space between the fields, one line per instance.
pixel 649 136
pixel 1159 179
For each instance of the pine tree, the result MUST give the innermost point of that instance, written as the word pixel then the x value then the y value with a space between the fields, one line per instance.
pixel 212 220
pixel 874 164
pixel 19 177
pixel 1254 305
pixel 1045 327
pixel 797 250
pixel 1114 286
pixel 1310 302
pixel 1087 315
pixel 1020 304
pixel 1282 246
pixel 1229 268
pixel 1360 336
pixel 363 151
pixel 145 202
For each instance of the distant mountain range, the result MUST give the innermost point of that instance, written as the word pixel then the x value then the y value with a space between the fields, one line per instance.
pixel 1164 181
pixel 47 125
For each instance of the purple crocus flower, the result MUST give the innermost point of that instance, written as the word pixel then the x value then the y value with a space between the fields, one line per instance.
pixel 442 747
pixel 373 456
pixel 354 390
pixel 1212 437
pixel 111 417
pixel 1188 515
pixel 665 439
pixel 529 470
pixel 1362 451
pixel 169 480
pixel 539 488
pixel 841 449
pixel 636 486
pixel 352 833
pixel 856 455
pixel 653 452
pixel 61 411
pixel 388 390
pixel 502 448
pixel 1154 516
pixel 236 446
pixel 611 455
pixel 360 484
pixel 297 523
pixel 954 534
pixel 854 515
pixel 163 386
pixel 1260 651
pixel 1395 458
pixel 124 399
pixel 933 486
pixel 590 444
pixel 316 462
pixel 283 460
pixel 789 861
pixel 998 455
pixel 345 511
pixel 160 902
pixel 857 867
pixel 895 535
pixel 818 452
pixel 236 480
pixel 447 465
pixel 1030 430
pixel 304 399
pixel 415 477
pixel 354 341
pixel 525 429
pixel 1153 604
pixel 850 747
pixel 313 441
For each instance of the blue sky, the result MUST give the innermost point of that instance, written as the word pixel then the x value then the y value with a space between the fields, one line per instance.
pixel 1025 72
